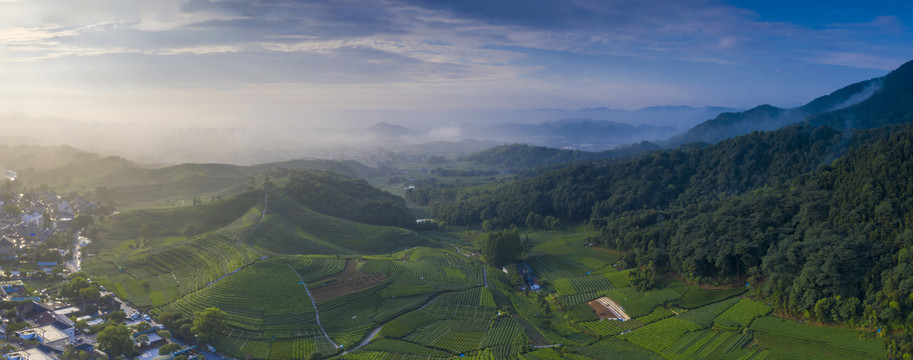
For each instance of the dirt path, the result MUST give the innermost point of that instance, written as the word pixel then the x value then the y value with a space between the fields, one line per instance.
pixel 262 215
pixel 316 314
pixel 238 241
pixel 370 336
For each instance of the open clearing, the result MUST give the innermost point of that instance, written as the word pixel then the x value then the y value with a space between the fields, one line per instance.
pixel 349 280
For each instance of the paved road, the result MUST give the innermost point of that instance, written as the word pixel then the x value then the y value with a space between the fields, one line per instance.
pixel 365 341
pixel 370 336
pixel 316 314
pixel 78 241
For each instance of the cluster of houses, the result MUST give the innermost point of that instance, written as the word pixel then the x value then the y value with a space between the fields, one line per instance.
pixel 51 331
pixel 40 216
pixel 49 328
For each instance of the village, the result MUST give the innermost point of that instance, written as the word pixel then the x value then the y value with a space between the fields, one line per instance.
pixel 49 310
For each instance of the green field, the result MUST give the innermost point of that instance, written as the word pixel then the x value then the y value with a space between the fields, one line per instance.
pixel 787 339
pixel 424 299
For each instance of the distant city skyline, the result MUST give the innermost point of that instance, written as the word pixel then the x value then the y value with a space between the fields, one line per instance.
pixel 315 64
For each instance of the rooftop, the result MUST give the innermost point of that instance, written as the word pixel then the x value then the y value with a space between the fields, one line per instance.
pixel 30 354
pixel 47 334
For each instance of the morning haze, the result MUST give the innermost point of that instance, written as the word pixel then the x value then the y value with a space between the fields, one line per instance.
pixel 473 179
pixel 285 71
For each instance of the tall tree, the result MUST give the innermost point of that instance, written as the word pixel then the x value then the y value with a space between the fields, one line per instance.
pixel 502 247
pixel 209 323
pixel 115 341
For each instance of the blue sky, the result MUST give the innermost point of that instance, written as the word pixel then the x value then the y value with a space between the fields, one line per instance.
pixel 343 63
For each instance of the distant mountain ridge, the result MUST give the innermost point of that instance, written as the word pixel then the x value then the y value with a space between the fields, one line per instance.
pixel 384 129
pixel 891 104
pixel 589 129
pixel 843 104
pixel 873 103
pixel 522 156
pixel 598 129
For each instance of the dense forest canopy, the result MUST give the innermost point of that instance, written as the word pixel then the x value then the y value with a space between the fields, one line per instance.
pixel 655 180
pixel 341 196
pixel 815 218
pixel 522 156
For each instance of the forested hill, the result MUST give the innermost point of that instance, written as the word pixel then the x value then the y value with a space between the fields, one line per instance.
pixel 867 104
pixel 836 242
pixel 654 180
pixel 521 156
pixel 832 239
pixel 893 104
pixel 767 117
pixel 341 196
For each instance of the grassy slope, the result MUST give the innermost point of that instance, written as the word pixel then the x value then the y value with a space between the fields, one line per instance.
pixel 292 228
pixel 169 222
pixel 269 320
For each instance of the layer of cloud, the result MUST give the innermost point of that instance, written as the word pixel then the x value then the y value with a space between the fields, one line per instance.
pixel 419 53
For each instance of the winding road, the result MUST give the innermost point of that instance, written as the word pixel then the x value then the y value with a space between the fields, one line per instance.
pixel 316 313
pixel 262 215
pixel 370 336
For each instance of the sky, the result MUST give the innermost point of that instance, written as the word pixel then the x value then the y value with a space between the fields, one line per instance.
pixel 331 64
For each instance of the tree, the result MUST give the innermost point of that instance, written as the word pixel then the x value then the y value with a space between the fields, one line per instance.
pixel 90 308
pixel 81 221
pixel 535 221
pixel 644 279
pixel 88 294
pixel 502 247
pixel 168 348
pixel 115 340
pixel 73 354
pixel 16 326
pixel 141 326
pixel 11 209
pixel 186 331
pixel 168 319
pixel 143 340
pixel 117 316
pixel 513 276
pixel 82 325
pixel 552 223
pixel 209 323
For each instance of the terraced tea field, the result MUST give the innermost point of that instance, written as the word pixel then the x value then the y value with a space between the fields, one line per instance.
pixel 268 270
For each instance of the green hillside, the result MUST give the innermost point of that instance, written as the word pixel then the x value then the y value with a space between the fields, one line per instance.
pixel 696 247
pixel 291 228
pixel 336 195
pixel 521 156
pixel 127 185
pixel 160 224
pixel 891 105
pixel 767 117
pixel 658 179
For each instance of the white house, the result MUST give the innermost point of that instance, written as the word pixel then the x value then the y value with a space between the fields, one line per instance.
pixel 36 218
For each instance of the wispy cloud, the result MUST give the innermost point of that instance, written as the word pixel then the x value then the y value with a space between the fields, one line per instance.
pixel 858 60
pixel 470 53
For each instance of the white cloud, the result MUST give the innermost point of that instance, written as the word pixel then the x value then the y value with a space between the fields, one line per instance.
pixel 386 54
pixel 858 60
